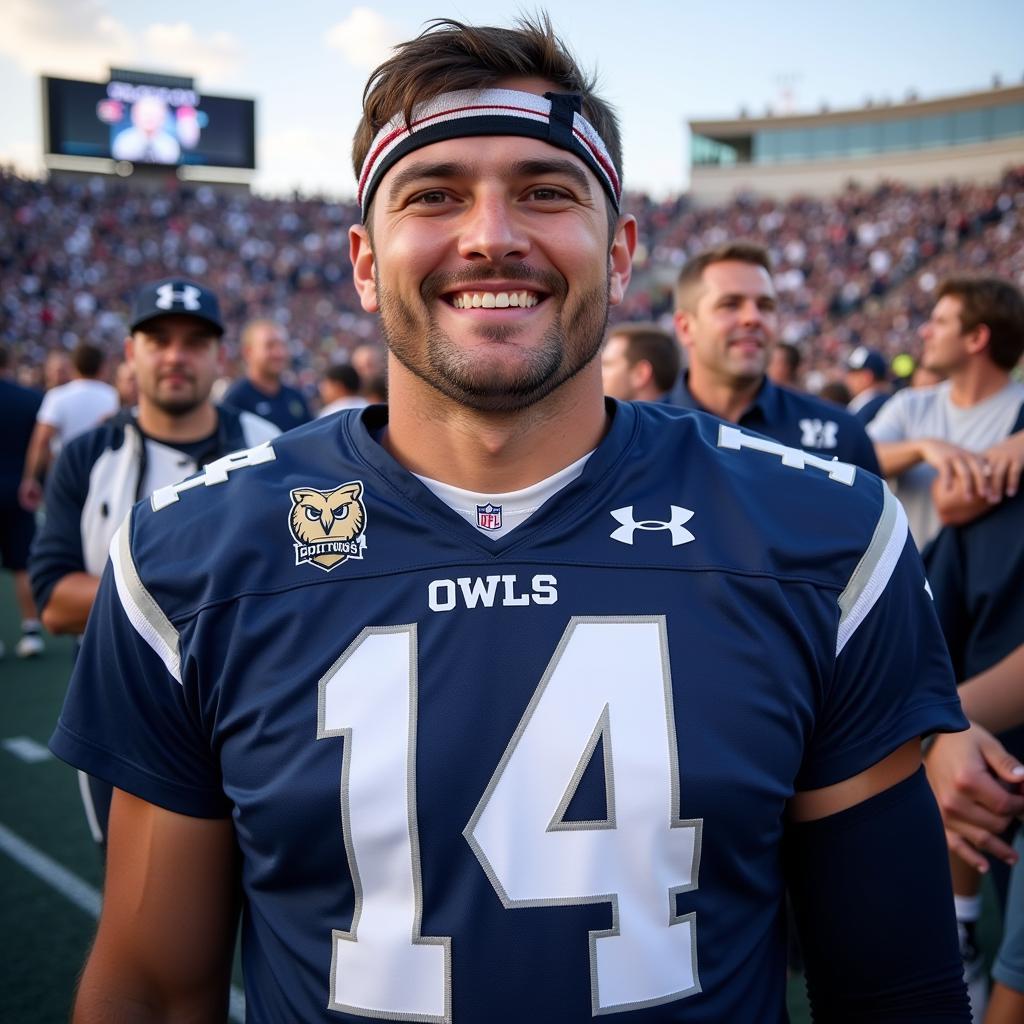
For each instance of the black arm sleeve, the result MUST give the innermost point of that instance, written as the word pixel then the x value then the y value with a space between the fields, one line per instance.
pixel 873 901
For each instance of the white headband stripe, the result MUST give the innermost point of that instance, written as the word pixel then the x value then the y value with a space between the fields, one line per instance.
pixel 503 108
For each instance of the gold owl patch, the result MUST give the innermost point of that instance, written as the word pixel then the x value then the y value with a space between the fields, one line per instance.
pixel 328 526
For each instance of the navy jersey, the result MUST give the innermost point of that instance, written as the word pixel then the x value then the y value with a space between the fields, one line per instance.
pixel 19 406
pixel 285 410
pixel 800 421
pixel 533 779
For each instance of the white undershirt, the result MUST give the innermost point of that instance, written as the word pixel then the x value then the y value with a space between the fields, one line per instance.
pixel 515 506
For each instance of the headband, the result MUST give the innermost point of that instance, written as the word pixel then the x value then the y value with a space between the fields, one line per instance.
pixel 554 118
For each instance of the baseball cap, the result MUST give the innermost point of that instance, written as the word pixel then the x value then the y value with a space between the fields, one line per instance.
pixel 175 295
pixel 863 358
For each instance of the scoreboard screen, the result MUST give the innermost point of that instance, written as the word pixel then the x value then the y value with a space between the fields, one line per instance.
pixel 148 124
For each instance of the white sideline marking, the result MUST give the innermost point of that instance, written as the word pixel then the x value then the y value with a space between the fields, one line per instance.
pixel 27 750
pixel 77 891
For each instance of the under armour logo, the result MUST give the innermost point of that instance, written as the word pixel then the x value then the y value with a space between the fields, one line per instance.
pixel 624 533
pixel 818 434
pixel 167 297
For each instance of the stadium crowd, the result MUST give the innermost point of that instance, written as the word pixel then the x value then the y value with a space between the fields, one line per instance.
pixel 856 269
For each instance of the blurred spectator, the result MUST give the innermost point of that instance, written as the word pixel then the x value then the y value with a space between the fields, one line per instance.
pixel 125 384
pixel 370 362
pixel 866 374
pixel 57 369
pixel 340 389
pixel 728 321
pixel 784 365
pixel 17 525
pixel 836 392
pixel 639 362
pixel 375 390
pixel 262 390
pixel 66 411
pixel 975 336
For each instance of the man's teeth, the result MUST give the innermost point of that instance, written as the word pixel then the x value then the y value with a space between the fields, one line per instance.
pixel 494 300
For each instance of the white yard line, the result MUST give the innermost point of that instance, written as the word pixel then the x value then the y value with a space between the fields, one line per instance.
pixel 77 891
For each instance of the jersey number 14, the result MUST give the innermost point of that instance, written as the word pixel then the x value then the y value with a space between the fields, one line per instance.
pixel 608 681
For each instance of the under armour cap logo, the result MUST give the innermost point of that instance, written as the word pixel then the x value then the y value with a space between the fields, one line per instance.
pixel 624 533
pixel 167 297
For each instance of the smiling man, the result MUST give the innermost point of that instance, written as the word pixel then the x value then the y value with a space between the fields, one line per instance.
pixel 512 704
pixel 173 349
pixel 727 320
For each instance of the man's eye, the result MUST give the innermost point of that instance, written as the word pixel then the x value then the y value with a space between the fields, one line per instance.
pixel 433 198
pixel 546 193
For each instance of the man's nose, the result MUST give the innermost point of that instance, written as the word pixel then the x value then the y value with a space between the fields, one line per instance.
pixel 492 231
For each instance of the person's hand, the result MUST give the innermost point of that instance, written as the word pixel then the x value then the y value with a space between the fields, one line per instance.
pixel 30 494
pixel 977 784
pixel 1005 462
pixel 958 467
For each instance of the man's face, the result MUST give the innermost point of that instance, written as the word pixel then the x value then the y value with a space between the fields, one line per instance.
pixel 733 325
pixel 616 369
pixel 176 359
pixel 858 381
pixel 266 350
pixel 491 267
pixel 945 346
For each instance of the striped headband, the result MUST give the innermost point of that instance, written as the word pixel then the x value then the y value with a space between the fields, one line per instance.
pixel 554 118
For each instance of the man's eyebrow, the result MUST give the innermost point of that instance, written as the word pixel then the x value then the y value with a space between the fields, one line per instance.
pixel 424 170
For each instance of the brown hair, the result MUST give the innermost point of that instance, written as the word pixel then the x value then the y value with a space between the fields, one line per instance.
pixel 739 251
pixel 449 55
pixel 999 306
pixel 87 359
pixel 649 342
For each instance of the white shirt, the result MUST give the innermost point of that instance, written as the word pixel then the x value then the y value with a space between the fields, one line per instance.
pixel 350 402
pixel 498 514
pixel 73 408
pixel 929 412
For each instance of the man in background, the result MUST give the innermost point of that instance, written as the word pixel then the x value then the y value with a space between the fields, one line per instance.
pixel 175 352
pixel 340 389
pixel 262 390
pixel 784 365
pixel 17 524
pixel 66 411
pixel 975 336
pixel 639 362
pixel 866 376
pixel 727 319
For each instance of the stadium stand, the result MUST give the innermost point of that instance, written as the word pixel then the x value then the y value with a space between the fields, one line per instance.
pixel 858 268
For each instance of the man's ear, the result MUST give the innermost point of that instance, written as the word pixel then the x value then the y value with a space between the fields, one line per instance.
pixel 360 251
pixel 620 259
pixel 978 339
pixel 681 323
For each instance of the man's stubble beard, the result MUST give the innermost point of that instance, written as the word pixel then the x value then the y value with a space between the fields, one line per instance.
pixel 485 388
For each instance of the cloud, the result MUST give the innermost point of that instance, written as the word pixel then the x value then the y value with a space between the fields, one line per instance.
pixel 82 38
pixel 364 38
pixel 24 157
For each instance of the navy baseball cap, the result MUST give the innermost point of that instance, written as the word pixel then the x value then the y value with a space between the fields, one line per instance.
pixel 864 358
pixel 175 295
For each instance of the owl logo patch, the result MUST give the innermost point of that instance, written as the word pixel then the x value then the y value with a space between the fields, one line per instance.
pixel 328 527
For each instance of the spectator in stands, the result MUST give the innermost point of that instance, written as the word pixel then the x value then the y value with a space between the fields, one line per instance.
pixel 727 320
pixel 17 525
pixel 975 336
pixel 639 362
pixel 375 390
pixel 866 374
pixel 57 369
pixel 66 411
pixel 340 389
pixel 262 389
pixel 174 349
pixel 371 363
pixel 784 365
pixel 836 392
pixel 975 572
pixel 125 384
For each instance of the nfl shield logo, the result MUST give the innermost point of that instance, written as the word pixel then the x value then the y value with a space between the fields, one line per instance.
pixel 488 517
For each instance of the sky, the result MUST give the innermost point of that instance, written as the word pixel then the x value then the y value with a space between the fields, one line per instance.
pixel 660 62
